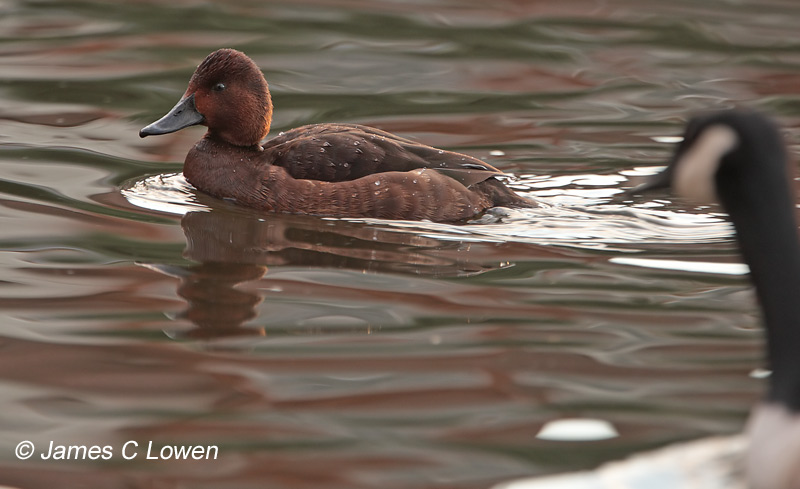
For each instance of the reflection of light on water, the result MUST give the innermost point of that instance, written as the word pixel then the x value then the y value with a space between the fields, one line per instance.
pixel 577 429
pixel 169 193
pixel 686 266
pixel 579 211
pixel 575 210
pixel 760 373
pixel 642 171
pixel 564 180
pixel 667 139
pixel 569 223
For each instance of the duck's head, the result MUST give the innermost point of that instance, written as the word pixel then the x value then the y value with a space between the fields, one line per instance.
pixel 721 152
pixel 228 94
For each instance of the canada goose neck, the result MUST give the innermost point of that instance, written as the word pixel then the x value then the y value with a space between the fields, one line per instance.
pixel 760 202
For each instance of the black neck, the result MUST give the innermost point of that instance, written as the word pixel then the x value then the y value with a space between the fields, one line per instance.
pixel 761 205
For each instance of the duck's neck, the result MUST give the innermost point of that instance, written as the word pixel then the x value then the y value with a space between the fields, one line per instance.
pixel 762 210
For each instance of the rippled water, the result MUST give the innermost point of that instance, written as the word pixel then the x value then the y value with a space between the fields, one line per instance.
pixel 343 353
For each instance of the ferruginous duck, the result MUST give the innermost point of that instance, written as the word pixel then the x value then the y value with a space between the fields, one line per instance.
pixel 341 170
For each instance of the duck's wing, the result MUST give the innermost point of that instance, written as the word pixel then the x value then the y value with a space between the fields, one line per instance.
pixel 340 152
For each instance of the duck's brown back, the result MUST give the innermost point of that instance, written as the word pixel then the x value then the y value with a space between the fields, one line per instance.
pixel 339 152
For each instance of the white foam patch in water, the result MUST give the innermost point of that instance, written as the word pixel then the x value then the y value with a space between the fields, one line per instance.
pixel 577 429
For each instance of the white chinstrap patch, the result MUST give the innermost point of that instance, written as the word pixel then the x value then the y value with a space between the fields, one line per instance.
pixel 695 170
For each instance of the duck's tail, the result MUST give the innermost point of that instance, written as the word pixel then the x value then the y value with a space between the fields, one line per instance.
pixel 500 195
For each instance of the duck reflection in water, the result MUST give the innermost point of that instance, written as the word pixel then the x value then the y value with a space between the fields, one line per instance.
pixel 232 248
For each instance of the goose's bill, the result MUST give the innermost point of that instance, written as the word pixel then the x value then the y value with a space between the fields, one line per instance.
pixel 659 181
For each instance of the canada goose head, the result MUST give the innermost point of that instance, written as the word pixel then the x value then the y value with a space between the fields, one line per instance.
pixel 737 158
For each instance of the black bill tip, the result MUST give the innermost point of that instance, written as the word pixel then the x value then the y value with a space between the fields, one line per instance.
pixel 184 114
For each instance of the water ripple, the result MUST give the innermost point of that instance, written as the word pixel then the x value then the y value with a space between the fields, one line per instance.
pixel 582 211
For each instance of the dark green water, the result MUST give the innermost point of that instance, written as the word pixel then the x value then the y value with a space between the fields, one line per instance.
pixel 326 353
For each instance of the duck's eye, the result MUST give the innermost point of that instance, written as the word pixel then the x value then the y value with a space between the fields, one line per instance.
pixel 218 87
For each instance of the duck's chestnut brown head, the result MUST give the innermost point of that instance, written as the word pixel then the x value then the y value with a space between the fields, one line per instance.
pixel 228 94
